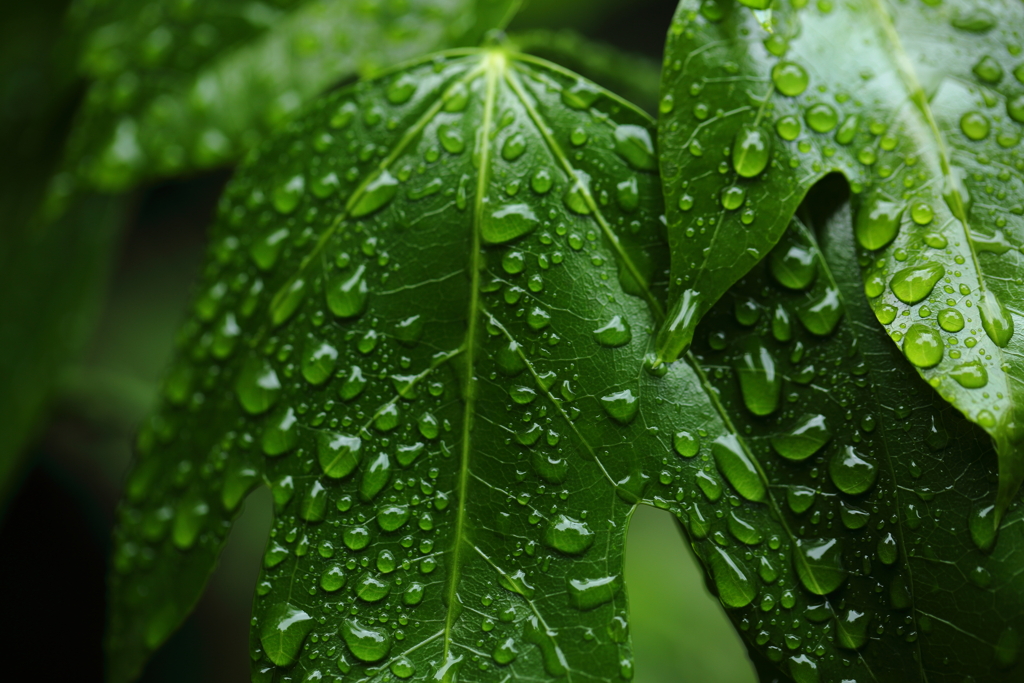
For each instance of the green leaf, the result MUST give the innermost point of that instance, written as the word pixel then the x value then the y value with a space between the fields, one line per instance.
pixel 421 323
pixel 634 77
pixel 878 506
pixel 918 105
pixel 191 85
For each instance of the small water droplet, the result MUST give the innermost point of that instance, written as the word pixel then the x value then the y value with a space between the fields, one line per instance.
pixel 983 528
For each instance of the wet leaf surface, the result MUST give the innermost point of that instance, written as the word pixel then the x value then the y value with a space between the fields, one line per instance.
pixel 920 106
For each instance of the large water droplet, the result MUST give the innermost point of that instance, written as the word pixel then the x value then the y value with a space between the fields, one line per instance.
pixel 622 405
pixel 372 588
pixel 751 149
pixel 338 454
pixel 614 333
pixel 995 319
pixel 819 565
pixel 505 652
pixel 353 384
pixel 821 117
pixel 735 463
pixel 367 643
pixel 877 222
pixel 375 477
pixel 792 264
pixel 803 669
pixel 257 387
pixel 634 144
pixel 283 628
pixel 852 472
pixel 911 285
pixel 809 434
pixel 189 520
pixel 287 195
pixel 790 79
pixel 760 384
pixel 735 588
pixel 571 536
pixel 376 194
pixel 589 593
pixel 281 433
pixel 347 294
pixel 922 345
pixel 821 315
pixel 852 632
pixel 507 223
pixel 318 361
pixel 970 375
pixel 983 528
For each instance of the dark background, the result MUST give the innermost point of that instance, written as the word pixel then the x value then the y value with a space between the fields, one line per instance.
pixel 54 534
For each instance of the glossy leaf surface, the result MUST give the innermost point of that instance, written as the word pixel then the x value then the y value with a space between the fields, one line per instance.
pixel 920 106
pixel 180 86
pixel 422 322
pixel 880 564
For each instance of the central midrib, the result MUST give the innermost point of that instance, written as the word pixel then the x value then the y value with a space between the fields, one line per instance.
pixel 495 64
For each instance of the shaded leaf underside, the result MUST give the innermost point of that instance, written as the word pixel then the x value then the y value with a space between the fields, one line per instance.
pixel 921 109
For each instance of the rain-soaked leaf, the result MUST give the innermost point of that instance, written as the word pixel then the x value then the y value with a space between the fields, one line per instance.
pixel 180 86
pixel 873 556
pixel 920 105
pixel 421 323
pixel 432 338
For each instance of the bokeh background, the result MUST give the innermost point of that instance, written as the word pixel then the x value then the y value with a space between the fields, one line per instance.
pixel 54 532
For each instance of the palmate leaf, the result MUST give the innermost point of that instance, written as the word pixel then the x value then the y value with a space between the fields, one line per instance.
pixel 920 106
pixel 435 349
pixel 422 323
pixel 181 86
pixel 885 566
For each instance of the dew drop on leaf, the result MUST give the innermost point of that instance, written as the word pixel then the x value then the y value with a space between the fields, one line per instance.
pixel 616 332
pixel 365 642
pixel 283 629
pixel 806 438
pixel 760 383
pixel 568 535
pixel 736 464
pixel 257 387
pixel 790 78
pixel 633 143
pixel 852 472
pixel 751 149
pixel 375 195
pixel 913 284
pixel 922 345
pixel 877 222
pixel 819 565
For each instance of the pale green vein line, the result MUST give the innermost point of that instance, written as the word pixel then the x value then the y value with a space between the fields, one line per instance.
pixel 494 64
pixel 560 156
